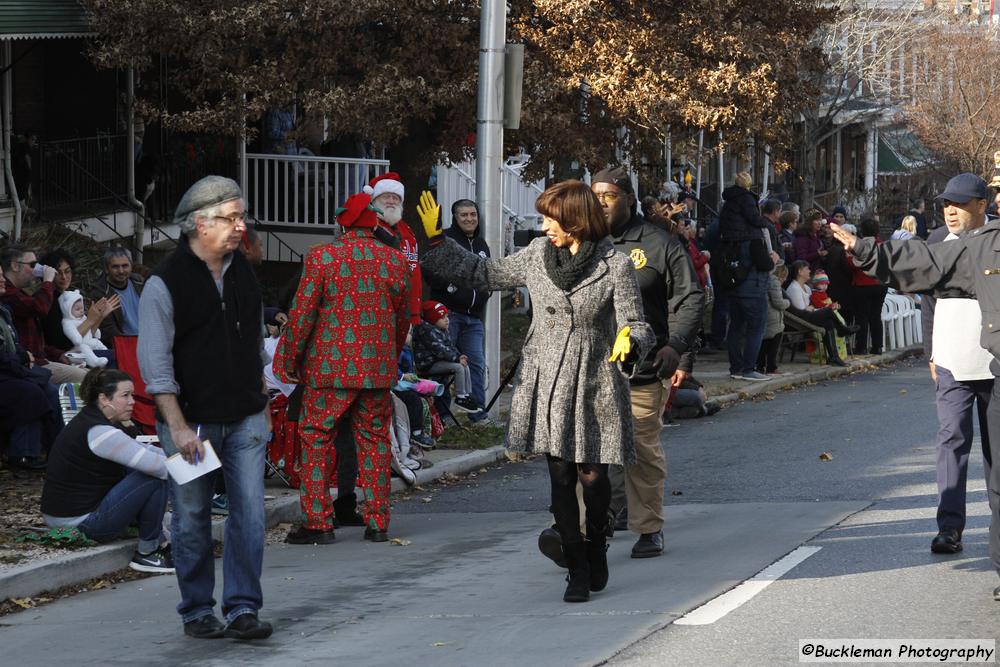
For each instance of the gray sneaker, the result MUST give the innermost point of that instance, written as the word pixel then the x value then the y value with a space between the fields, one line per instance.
pixel 754 376
pixel 159 562
pixel 483 422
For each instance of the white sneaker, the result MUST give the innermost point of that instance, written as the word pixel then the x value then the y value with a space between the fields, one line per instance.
pixel 754 376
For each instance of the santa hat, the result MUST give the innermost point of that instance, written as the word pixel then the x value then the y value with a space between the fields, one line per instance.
pixel 357 212
pixel 820 278
pixel 434 311
pixel 387 182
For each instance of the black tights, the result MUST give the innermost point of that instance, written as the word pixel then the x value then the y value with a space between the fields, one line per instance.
pixel 596 497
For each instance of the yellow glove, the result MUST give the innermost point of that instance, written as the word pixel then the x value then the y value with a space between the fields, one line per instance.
pixel 623 345
pixel 430 214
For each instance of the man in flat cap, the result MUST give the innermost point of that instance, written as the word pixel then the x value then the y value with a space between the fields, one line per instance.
pixel 201 355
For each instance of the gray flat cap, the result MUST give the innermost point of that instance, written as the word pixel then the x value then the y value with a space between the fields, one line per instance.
pixel 209 191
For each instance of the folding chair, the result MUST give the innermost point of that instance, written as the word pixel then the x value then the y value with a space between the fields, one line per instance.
pixel 69 401
pixel 443 402
pixel 798 332
pixel 144 411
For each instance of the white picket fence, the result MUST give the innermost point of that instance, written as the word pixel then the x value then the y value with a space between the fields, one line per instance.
pixel 304 190
pixel 458 181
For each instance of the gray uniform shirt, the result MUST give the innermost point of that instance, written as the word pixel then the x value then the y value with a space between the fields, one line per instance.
pixel 970 264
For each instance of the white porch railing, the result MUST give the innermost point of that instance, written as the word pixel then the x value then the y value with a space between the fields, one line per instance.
pixel 304 190
pixel 458 181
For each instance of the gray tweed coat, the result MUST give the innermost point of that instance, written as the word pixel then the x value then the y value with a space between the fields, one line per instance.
pixel 569 400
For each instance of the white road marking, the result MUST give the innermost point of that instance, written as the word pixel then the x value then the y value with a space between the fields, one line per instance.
pixel 714 609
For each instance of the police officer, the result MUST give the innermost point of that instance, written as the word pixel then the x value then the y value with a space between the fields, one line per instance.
pixel 970 265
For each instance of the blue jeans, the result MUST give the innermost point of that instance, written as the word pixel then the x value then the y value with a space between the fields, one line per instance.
pixel 468 335
pixel 747 320
pixel 137 496
pixel 720 319
pixel 241 446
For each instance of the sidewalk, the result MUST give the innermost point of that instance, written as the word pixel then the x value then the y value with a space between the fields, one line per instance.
pixel 713 372
pixel 282 506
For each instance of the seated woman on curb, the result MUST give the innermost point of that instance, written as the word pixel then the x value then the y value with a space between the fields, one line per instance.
pixel 100 480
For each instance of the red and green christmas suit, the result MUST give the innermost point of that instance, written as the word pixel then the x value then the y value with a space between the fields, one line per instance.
pixel 347 323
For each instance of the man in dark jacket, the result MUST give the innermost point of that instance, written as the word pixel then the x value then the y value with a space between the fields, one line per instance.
pixel 673 302
pixel 465 304
pixel 118 280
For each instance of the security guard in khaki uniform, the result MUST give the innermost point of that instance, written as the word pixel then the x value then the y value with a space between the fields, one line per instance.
pixel 672 301
pixel 970 264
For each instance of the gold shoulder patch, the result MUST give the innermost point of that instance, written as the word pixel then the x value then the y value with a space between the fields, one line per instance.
pixel 638 258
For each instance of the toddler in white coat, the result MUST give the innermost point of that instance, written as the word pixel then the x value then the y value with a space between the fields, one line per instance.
pixel 71 304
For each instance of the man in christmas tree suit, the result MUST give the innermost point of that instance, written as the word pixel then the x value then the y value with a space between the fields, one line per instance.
pixel 347 325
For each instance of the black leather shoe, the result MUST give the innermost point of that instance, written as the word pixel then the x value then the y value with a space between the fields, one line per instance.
pixel 648 545
pixel 996 593
pixel 206 627
pixel 303 535
pixel 947 542
pixel 32 463
pixel 550 544
pixel 621 521
pixel 376 535
pixel 248 626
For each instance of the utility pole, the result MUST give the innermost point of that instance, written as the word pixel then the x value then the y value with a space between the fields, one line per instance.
pixel 489 160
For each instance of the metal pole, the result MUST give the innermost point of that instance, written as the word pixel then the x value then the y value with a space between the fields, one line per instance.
pixel 669 156
pixel 722 166
pixel 140 215
pixel 767 168
pixel 701 147
pixel 489 160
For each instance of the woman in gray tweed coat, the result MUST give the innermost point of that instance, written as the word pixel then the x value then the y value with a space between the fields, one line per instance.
pixel 570 401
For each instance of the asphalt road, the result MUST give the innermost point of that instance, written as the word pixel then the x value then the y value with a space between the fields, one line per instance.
pixel 467 587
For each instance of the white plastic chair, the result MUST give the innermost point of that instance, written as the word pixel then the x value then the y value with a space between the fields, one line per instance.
pixel 889 316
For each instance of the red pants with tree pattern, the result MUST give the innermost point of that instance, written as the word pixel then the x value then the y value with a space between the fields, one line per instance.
pixel 369 412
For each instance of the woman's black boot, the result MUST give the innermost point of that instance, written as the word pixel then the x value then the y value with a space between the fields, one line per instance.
pixel 833 357
pixel 578 589
pixel 597 559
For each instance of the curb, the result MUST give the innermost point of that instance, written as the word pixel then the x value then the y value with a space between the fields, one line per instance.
pixel 79 567
pixel 822 373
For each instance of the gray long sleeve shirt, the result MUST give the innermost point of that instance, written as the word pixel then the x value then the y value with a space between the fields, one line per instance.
pixel 156 335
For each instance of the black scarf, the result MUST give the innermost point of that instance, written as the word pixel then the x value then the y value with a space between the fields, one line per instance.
pixel 564 268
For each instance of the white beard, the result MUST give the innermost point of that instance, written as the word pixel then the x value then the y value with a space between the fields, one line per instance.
pixel 392 214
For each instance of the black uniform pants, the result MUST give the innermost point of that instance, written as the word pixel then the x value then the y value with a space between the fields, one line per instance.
pixel 958 403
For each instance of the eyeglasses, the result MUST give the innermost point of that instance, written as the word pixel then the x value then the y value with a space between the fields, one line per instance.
pixel 607 197
pixel 31 263
pixel 233 219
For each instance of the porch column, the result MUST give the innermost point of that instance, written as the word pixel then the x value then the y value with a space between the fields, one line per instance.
pixel 871 157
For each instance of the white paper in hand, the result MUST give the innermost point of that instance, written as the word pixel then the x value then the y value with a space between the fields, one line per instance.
pixel 183 472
